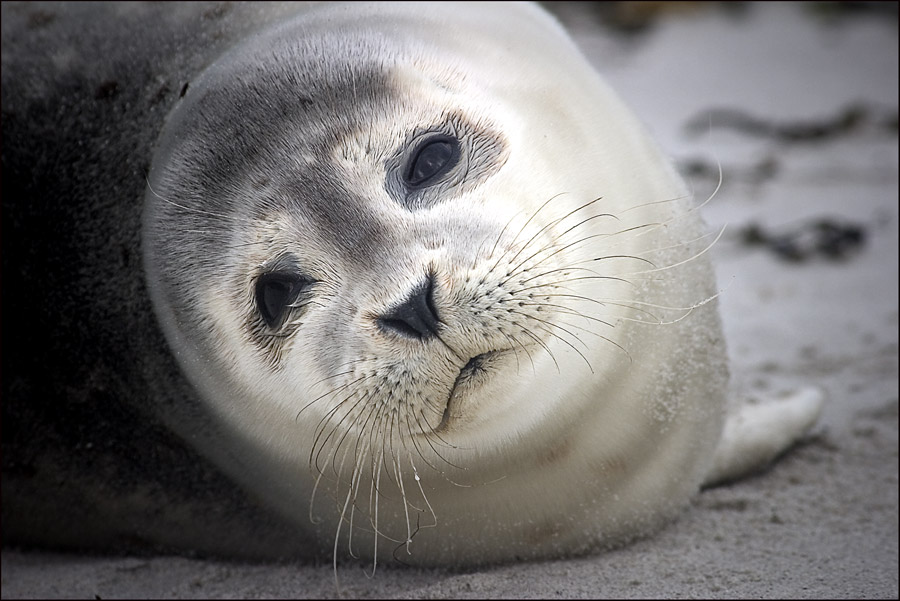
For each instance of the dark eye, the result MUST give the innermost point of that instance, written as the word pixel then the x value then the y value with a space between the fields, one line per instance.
pixel 432 159
pixel 275 293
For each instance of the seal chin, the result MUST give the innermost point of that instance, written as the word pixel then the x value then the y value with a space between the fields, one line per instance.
pixel 473 375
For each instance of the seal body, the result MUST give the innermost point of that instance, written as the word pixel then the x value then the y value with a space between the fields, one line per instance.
pixel 424 286
pixel 90 388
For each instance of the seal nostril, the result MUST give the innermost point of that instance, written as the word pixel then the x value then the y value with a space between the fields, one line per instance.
pixel 403 327
pixel 416 317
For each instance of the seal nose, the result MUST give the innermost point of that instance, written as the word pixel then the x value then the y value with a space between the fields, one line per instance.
pixel 416 317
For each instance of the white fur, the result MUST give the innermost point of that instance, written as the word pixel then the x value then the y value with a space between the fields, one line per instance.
pixel 592 436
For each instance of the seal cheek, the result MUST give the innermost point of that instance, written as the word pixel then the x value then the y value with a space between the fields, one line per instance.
pixel 558 452
pixel 613 465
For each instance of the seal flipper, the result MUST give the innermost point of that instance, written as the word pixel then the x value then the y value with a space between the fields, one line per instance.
pixel 756 434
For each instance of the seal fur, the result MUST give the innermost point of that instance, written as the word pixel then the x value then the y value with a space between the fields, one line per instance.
pixel 549 258
pixel 520 359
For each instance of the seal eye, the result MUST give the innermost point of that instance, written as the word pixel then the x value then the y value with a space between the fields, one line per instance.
pixel 275 293
pixel 432 159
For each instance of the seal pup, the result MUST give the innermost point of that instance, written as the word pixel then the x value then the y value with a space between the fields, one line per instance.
pixel 433 293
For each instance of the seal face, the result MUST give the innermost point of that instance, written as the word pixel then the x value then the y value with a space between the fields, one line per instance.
pixel 440 289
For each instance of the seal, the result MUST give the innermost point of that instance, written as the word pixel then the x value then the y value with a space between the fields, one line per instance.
pixel 431 292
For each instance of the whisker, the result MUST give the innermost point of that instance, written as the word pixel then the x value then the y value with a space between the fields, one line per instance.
pixel 558 337
pixel 689 259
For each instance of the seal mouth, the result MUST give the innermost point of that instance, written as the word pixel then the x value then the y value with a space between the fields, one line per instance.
pixel 473 374
pixel 475 367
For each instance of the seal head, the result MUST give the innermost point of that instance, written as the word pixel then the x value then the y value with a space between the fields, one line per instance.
pixel 438 286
